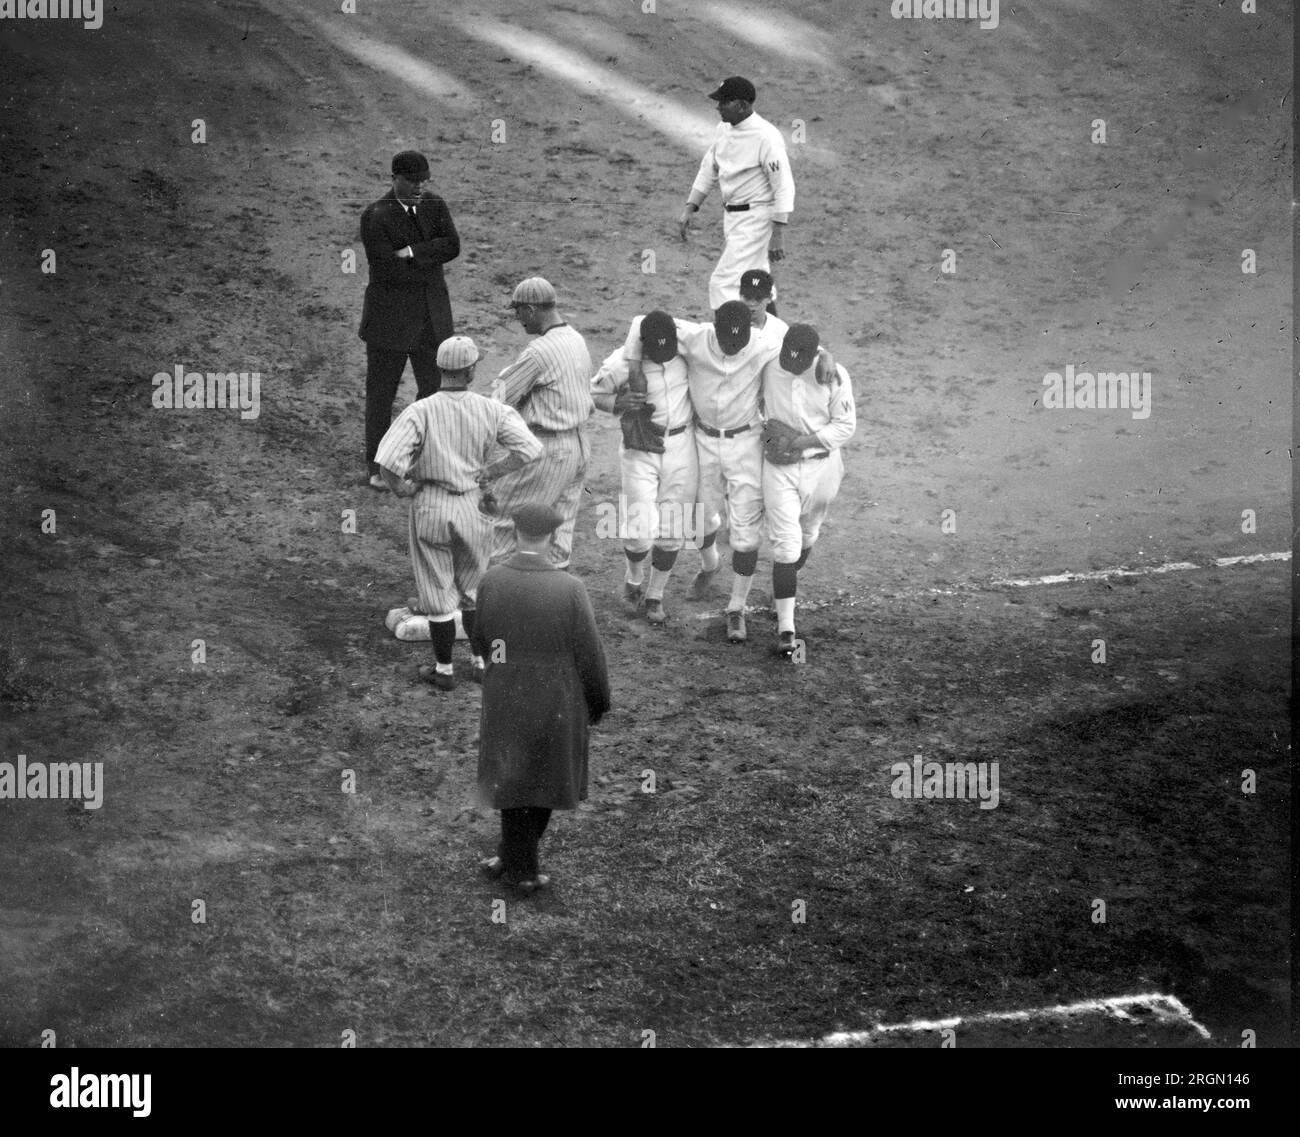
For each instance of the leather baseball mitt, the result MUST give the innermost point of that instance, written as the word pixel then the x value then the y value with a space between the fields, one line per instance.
pixel 778 439
pixel 638 434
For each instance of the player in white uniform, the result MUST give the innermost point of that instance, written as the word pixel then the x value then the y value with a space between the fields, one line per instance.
pixel 436 452
pixel 549 386
pixel 749 165
pixel 797 496
pixel 723 364
pixel 659 488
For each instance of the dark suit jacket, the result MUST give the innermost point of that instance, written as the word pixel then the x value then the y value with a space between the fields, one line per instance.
pixel 546 681
pixel 403 291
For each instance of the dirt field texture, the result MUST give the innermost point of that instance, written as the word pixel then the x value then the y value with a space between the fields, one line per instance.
pixel 773 886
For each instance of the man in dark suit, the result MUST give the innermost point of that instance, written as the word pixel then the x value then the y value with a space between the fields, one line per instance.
pixel 409 235
pixel 545 684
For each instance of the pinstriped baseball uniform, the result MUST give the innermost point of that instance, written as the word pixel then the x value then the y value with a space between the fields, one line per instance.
pixel 724 392
pixel 549 384
pixel 797 497
pixel 441 443
pixel 659 489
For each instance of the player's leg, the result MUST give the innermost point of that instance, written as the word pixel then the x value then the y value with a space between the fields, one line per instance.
pixel 431 556
pixel 745 240
pixel 383 376
pixel 679 516
pixel 532 482
pixel 471 547
pixel 743 457
pixel 640 480
pixel 781 508
pixel 711 498
pixel 821 485
pixel 574 453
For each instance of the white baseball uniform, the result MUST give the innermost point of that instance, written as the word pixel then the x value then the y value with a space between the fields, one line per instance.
pixel 724 392
pixel 749 164
pixel 659 490
pixel 549 385
pixel 442 442
pixel 797 497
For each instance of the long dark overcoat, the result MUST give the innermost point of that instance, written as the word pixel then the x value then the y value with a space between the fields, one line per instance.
pixel 546 681
pixel 403 290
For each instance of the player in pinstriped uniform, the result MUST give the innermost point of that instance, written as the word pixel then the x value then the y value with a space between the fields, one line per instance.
pixel 797 496
pixel 549 384
pixel 660 489
pixel 436 453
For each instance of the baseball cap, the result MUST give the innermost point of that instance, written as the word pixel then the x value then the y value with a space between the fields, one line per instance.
pixel 534 290
pixel 734 87
pixel 659 337
pixel 533 519
pixel 457 353
pixel 756 285
pixel 799 348
pixel 731 325
pixel 411 164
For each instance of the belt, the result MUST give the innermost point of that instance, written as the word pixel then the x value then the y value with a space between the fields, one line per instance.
pixel 546 430
pixel 443 486
pixel 659 430
pixel 722 433
pixel 736 208
pixel 814 457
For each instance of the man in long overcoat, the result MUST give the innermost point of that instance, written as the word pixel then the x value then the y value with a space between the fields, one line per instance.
pixel 546 683
pixel 408 235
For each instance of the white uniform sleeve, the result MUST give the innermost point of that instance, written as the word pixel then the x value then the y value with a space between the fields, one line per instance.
pixel 776 165
pixel 632 345
pixel 401 443
pixel 707 177
pixel 612 374
pixel 844 414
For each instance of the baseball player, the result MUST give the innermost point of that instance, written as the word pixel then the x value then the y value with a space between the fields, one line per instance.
pixel 724 362
pixel 436 453
pixel 549 384
pixel 658 486
pixel 801 473
pixel 749 164
pixel 757 290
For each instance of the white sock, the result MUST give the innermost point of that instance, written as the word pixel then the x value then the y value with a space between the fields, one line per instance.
pixel 658 582
pixel 477 661
pixel 740 586
pixel 444 669
pixel 635 571
pixel 785 614
pixel 709 559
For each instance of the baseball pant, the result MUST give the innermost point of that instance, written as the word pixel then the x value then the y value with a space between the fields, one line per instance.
pixel 521 833
pixel 796 499
pixel 660 495
pixel 745 239
pixel 555 479
pixel 450 545
pixel 731 476
pixel 384 375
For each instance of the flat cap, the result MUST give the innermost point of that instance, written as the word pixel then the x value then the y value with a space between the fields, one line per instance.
pixel 755 284
pixel 457 353
pixel 534 290
pixel 534 519
pixel 411 164
pixel 734 87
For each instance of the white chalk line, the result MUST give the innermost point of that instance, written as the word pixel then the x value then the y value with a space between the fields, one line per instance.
pixel 1022 582
pixel 1163 1009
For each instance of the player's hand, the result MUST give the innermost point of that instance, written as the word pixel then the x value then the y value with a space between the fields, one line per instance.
pixel 406 488
pixel 405 254
pixel 684 223
pixel 628 400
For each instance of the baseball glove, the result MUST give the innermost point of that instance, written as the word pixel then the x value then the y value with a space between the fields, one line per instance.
pixel 638 433
pixel 778 439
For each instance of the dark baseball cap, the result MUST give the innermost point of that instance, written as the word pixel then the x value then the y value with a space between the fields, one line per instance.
pixel 756 285
pixel 799 348
pixel 731 325
pixel 536 519
pixel 411 164
pixel 658 337
pixel 734 87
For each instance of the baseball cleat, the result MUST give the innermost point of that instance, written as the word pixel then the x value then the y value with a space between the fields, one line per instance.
pixel 736 632
pixel 785 645
pixel 654 612
pixel 377 482
pixel 477 669
pixel 528 887
pixel 633 593
pixel 702 585
pixel 492 867
pixel 437 678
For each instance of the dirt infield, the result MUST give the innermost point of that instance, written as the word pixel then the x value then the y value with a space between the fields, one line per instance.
pixel 674 912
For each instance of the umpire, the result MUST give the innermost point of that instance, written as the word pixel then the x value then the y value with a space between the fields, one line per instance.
pixel 546 683
pixel 408 235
